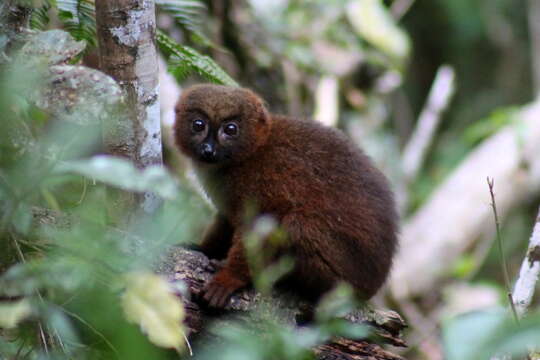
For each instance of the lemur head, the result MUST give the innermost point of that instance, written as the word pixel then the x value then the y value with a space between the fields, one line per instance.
pixel 220 124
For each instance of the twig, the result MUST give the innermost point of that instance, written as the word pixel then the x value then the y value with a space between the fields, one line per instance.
pixel 94 330
pixel 439 97
pixel 425 327
pixel 326 101
pixel 534 31
pixel 491 183
pixel 187 344
pixel 528 274
pixel 40 325
pixel 43 339
pixel 400 7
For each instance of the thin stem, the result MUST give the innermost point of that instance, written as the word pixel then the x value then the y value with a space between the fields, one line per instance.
pixel 40 297
pixel 400 7
pixel 491 185
pixel 43 339
pixel 93 329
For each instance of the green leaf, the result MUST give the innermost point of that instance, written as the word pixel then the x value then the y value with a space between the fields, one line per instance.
pixel 185 60
pixel 149 302
pixel 79 19
pixel 512 338
pixel 12 313
pixel 464 266
pixel 464 335
pixel 342 327
pixel 337 303
pixel 54 272
pixel 188 13
pixel 40 17
pixel 488 126
pixel 373 22
pixel 123 174
pixel 62 326
pixel 22 218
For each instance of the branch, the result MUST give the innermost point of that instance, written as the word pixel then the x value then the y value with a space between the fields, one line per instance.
pixel 194 269
pixel 327 101
pixel 439 97
pixel 491 185
pixel 528 274
pixel 456 214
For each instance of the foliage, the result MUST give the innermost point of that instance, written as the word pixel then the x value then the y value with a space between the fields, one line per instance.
pixel 373 22
pixel 77 281
pixel 280 341
pixel 187 13
pixel 485 127
pixel 78 18
pixel 184 60
pixel 66 255
pixel 148 301
pixel 64 248
pixel 486 333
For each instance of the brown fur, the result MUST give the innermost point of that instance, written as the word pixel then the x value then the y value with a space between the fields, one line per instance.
pixel 335 206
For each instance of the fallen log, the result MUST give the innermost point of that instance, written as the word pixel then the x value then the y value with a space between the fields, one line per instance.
pixel 194 269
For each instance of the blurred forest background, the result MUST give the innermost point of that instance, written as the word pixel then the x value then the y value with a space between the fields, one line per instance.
pixel 442 94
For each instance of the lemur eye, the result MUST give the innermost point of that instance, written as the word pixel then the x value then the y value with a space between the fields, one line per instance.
pixel 198 125
pixel 231 129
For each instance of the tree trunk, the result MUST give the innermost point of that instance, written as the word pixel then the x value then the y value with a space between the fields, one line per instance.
pixel 127 52
pixel 13 20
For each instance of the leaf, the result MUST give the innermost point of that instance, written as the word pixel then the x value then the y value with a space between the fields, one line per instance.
pixel 337 303
pixel 39 18
pixel 62 273
pixel 61 324
pixel 123 174
pixel 511 338
pixel 22 218
pixel 372 21
pixel 149 302
pixel 188 13
pixel 486 127
pixel 12 313
pixel 79 19
pixel 463 336
pixel 184 60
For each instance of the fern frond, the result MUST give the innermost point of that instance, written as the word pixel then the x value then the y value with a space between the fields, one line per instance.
pixel 40 17
pixel 79 19
pixel 187 13
pixel 185 60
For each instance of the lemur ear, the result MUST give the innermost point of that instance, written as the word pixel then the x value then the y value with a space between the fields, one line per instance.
pixel 264 116
pixel 260 110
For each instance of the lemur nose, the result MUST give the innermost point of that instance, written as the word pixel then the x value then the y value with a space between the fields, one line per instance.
pixel 208 151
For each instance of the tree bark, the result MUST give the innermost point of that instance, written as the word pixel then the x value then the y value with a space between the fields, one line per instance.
pixel 127 52
pixel 14 19
pixel 529 272
pixel 441 93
